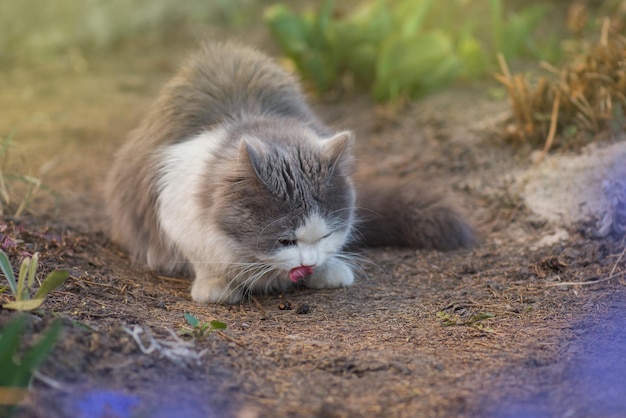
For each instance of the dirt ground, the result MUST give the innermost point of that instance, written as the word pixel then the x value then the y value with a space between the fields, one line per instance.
pixel 485 332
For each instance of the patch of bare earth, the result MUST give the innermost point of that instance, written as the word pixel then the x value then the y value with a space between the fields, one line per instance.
pixel 486 332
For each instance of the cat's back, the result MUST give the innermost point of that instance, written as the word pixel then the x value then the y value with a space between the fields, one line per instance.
pixel 224 83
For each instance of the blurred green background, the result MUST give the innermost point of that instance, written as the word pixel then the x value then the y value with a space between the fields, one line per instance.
pixel 35 29
pixel 391 48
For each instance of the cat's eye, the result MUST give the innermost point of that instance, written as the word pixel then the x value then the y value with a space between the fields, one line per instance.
pixel 287 242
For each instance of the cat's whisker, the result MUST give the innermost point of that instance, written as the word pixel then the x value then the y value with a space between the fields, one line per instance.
pixel 226 263
pixel 363 208
pixel 248 283
pixel 354 260
pixel 249 272
pixel 355 208
pixel 232 288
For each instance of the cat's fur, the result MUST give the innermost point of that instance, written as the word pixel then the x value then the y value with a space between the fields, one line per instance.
pixel 231 178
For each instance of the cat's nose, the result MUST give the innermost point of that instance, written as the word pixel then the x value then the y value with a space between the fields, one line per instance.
pixel 308 257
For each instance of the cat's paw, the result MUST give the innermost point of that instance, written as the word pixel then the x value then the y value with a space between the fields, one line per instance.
pixel 213 291
pixel 334 274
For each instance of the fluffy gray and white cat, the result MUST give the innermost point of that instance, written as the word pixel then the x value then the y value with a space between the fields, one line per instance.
pixel 232 179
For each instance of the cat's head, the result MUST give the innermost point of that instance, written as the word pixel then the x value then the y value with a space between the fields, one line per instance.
pixel 290 204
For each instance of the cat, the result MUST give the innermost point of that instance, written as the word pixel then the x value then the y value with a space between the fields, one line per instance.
pixel 232 179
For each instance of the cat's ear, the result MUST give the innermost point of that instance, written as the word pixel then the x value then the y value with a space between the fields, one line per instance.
pixel 252 151
pixel 338 149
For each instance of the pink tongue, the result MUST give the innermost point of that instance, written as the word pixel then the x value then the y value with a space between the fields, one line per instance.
pixel 300 273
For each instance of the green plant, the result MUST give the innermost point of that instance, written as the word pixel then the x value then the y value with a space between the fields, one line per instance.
pixel 200 329
pixel 17 367
pixel 401 48
pixel 24 285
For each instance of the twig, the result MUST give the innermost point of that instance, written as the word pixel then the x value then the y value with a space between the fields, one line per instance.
pixel 549 67
pixel 96 283
pixel 229 338
pixel 54 384
pixel 258 305
pixel 554 119
pixel 612 274
pixel 173 279
pixel 503 66
pixel 604 34
pixel 606 279
pixel 618 260
pixel 35 184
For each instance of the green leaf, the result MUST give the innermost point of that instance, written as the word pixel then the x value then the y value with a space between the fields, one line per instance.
pixel 323 21
pixel 53 280
pixel 24 305
pixel 9 342
pixel 33 358
pixel 409 64
pixel 369 24
pixel 290 30
pixel 361 60
pixel 318 70
pixel 218 325
pixel 191 320
pixel 407 57
pixel 480 316
pixel 472 56
pixel 32 269
pixel 482 327
pixel 411 15
pixel 446 319
pixel 442 73
pixel 7 270
pixel 516 32
pixel 36 355
pixel 22 292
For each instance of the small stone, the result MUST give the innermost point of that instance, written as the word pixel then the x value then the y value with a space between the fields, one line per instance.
pixel 303 309
pixel 285 306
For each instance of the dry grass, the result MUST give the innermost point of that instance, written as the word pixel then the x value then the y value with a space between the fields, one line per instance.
pixel 581 102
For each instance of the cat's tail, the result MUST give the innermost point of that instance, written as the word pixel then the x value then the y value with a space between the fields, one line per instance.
pixel 404 214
